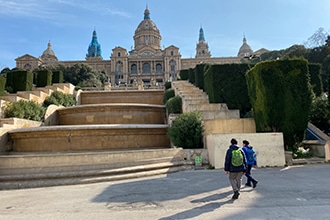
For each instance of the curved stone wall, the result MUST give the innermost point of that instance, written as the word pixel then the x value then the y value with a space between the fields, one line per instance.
pixel 120 113
pixel 89 137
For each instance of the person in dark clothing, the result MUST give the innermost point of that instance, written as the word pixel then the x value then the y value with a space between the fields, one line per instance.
pixel 235 172
pixel 251 161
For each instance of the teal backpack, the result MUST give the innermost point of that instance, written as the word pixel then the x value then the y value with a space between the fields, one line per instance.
pixel 236 158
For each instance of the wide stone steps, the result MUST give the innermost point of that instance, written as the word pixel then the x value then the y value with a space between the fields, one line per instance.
pixel 39 170
pixel 87 179
pixel 195 99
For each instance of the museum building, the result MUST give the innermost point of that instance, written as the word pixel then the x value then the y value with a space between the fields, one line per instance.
pixel 147 62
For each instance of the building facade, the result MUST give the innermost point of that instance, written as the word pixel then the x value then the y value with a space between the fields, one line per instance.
pixel 147 62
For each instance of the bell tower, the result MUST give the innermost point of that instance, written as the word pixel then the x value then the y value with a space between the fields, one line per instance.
pixel 202 48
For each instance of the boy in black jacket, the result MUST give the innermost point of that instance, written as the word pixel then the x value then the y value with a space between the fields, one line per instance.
pixel 235 170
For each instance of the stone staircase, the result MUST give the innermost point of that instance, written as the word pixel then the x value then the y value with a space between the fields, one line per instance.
pixel 194 99
pixel 30 168
pixel 66 168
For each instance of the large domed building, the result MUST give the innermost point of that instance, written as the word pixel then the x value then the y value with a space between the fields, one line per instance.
pixel 147 62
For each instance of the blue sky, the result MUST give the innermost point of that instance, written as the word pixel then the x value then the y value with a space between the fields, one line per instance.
pixel 27 25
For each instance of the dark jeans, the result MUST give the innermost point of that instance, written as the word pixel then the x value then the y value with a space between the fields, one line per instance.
pixel 248 175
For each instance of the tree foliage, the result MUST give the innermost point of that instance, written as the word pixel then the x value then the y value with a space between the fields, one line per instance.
pixel 318 39
pixel 80 74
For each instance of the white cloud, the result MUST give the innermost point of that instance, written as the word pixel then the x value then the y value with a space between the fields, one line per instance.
pixel 54 9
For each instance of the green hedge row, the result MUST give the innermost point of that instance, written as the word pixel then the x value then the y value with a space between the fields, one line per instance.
pixel 281 96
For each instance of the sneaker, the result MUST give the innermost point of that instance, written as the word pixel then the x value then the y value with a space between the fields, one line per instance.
pixel 236 195
pixel 255 184
pixel 248 184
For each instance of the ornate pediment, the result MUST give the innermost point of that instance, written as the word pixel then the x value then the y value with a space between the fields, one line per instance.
pixel 26 57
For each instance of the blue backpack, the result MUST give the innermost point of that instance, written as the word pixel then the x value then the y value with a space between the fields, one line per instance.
pixel 250 155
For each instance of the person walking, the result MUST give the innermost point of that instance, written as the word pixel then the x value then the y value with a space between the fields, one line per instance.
pixel 235 166
pixel 251 161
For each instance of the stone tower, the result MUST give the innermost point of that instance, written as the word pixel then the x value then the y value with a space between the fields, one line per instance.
pixel 202 48
pixel 94 49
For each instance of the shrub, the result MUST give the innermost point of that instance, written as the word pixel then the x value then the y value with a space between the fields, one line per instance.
pixel 168 94
pixel 59 98
pixel 168 85
pixel 174 105
pixel 187 131
pixel 29 110
pixel 302 153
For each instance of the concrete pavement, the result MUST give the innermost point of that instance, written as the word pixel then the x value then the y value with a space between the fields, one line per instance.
pixel 296 192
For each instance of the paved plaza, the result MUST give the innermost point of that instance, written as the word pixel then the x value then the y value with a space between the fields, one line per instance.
pixel 296 192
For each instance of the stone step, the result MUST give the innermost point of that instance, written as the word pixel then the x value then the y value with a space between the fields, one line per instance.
pixel 55 161
pixel 29 96
pixel 209 114
pixel 13 98
pixel 211 106
pixel 194 95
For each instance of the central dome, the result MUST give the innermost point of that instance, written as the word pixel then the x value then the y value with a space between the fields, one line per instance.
pixel 147 34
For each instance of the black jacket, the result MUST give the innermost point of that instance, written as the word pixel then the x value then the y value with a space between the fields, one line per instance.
pixel 228 166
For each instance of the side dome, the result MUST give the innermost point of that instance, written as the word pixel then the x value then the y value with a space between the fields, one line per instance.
pixel 147 33
pixel 48 57
pixel 245 50
pixel 48 51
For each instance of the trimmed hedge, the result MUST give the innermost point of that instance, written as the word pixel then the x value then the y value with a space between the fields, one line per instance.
pixel 226 83
pixel 2 85
pixel 174 105
pixel 19 80
pixel 191 75
pixel 57 77
pixel 281 96
pixel 44 78
pixel 169 93
pixel 187 131
pixel 199 71
pixel 315 78
pixel 184 74
pixel 168 85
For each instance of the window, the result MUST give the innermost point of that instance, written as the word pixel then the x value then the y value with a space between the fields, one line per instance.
pixel 118 54
pixel 146 68
pixel 119 67
pixel 159 68
pixel 172 53
pixel 27 66
pixel 172 65
pixel 134 69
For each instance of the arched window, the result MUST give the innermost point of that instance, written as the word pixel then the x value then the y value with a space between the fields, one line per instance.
pixel 159 68
pixel 118 54
pixel 27 66
pixel 134 69
pixel 172 53
pixel 146 68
